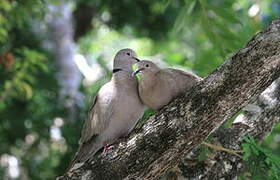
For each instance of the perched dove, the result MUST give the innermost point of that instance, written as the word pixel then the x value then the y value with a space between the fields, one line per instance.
pixel 157 87
pixel 115 110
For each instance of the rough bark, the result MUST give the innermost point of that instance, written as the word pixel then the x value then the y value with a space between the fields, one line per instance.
pixel 183 124
pixel 257 121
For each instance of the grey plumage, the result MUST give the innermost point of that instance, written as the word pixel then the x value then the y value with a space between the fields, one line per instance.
pixel 115 110
pixel 157 87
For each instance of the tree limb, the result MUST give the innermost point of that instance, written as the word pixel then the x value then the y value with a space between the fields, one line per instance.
pixel 256 122
pixel 183 124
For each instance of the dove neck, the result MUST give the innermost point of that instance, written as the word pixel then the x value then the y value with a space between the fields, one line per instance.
pixel 123 77
pixel 148 80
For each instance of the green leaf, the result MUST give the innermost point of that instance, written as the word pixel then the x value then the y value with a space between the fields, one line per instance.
pixel 147 114
pixel 181 19
pixel 225 31
pixel 27 89
pixel 43 67
pixel 208 29
pixel 191 7
pixel 166 4
pixel 29 78
pixel 247 151
pixel 224 13
pixel 5 5
pixel 255 150
pixel 134 69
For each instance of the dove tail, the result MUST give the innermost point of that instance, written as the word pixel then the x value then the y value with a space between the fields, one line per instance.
pixel 85 152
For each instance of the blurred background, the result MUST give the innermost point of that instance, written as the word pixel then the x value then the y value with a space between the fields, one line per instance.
pixel 55 55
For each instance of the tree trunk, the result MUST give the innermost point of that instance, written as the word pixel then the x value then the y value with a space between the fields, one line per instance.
pixel 182 125
pixel 61 31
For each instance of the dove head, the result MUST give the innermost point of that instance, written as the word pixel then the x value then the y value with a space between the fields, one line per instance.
pixel 145 69
pixel 124 59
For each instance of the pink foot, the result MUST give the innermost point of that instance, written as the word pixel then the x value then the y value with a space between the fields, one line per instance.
pixel 106 148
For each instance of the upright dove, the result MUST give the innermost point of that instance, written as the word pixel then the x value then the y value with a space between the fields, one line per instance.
pixel 115 109
pixel 157 87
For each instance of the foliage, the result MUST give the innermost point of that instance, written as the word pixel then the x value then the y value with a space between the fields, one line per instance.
pixel 15 17
pixel 28 91
pixel 18 76
pixel 261 162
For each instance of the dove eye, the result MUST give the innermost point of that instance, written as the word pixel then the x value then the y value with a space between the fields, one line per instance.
pixel 147 65
pixel 128 54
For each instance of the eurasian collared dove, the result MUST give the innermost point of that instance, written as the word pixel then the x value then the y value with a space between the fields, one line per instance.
pixel 157 87
pixel 115 110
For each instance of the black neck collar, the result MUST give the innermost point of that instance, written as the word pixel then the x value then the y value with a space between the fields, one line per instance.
pixel 116 70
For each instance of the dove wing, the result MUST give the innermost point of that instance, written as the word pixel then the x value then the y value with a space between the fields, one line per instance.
pixel 100 113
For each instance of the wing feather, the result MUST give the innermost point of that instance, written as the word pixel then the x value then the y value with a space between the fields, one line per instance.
pixel 184 74
pixel 86 133
pixel 99 115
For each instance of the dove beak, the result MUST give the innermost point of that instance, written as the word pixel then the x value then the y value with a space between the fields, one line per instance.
pixel 138 60
pixel 134 73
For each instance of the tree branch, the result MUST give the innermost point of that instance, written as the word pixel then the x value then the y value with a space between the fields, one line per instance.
pixel 183 124
pixel 256 122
